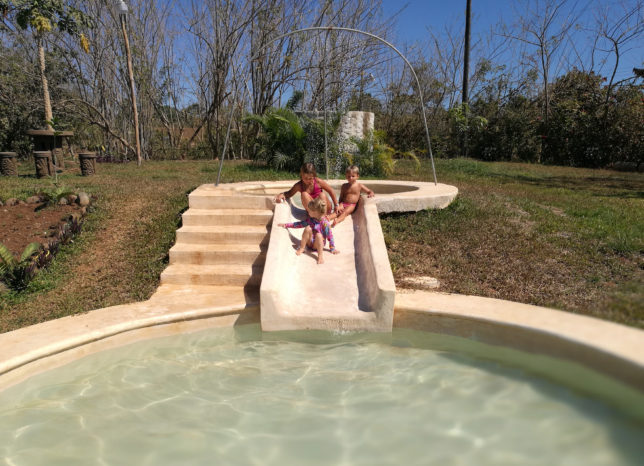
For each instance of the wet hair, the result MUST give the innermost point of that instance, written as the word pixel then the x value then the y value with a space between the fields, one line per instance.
pixel 318 205
pixel 352 169
pixel 308 169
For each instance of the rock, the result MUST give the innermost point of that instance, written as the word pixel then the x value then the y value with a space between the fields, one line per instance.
pixel 63 201
pixel 33 200
pixel 83 210
pixel 21 202
pixel 72 198
pixel 83 199
pixel 11 201
pixel 427 283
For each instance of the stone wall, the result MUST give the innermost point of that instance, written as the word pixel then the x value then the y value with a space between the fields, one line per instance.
pixel 355 125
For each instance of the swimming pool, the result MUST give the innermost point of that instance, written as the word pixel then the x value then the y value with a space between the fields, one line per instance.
pixel 239 396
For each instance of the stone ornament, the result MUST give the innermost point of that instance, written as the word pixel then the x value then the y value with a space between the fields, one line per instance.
pixel 87 163
pixel 8 164
pixel 44 165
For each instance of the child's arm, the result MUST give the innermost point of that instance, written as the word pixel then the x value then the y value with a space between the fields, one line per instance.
pixel 287 194
pixel 301 224
pixel 324 185
pixel 343 192
pixel 364 189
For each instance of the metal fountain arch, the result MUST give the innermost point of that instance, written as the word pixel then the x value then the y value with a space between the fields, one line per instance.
pixel 329 29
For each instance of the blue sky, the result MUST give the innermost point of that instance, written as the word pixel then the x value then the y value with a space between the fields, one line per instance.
pixel 418 15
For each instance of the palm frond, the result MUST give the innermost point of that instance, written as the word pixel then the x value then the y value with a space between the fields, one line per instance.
pixel 30 250
pixel 7 256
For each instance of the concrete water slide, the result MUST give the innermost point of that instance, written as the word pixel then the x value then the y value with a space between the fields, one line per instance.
pixel 351 291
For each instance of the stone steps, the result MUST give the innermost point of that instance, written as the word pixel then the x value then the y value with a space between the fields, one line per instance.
pixel 220 247
pixel 201 199
pixel 240 234
pixel 217 253
pixel 205 217
pixel 219 274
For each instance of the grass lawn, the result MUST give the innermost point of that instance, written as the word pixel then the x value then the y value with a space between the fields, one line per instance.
pixel 571 239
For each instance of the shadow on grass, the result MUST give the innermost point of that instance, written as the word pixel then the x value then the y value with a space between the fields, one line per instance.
pixel 594 185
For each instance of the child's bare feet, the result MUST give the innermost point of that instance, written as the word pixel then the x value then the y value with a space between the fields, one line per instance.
pixel 320 260
pixel 335 251
pixel 299 251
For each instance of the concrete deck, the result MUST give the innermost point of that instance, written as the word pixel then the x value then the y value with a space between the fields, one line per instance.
pixel 606 348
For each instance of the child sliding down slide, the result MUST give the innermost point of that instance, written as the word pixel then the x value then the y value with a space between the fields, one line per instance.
pixel 317 229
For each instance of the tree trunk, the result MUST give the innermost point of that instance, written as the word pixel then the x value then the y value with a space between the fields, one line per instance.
pixel 135 112
pixel 45 85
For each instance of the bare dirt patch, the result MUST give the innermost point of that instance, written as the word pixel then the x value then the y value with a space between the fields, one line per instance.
pixel 24 224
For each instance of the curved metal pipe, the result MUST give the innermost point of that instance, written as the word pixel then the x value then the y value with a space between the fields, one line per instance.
pixel 373 36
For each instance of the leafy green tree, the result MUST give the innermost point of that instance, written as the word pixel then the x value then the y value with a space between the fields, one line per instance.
pixel 374 156
pixel 17 113
pixel 594 125
pixel 511 132
pixel 281 141
pixel 41 16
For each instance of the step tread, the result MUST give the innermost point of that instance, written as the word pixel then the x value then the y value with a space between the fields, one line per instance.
pixel 217 295
pixel 193 211
pixel 199 289
pixel 219 247
pixel 214 269
pixel 225 228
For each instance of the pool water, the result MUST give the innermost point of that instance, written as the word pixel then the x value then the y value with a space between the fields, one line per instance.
pixel 235 396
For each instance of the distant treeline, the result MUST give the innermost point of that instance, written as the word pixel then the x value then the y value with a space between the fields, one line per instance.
pixel 548 88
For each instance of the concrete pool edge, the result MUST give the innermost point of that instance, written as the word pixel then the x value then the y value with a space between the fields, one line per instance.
pixel 405 196
pixel 611 349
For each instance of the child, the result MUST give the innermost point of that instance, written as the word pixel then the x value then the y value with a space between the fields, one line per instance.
pixel 311 187
pixel 350 194
pixel 317 229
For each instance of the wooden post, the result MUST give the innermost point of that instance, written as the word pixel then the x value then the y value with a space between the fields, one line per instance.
pixel 132 91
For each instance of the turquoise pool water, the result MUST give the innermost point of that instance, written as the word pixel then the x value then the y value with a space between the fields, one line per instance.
pixel 235 396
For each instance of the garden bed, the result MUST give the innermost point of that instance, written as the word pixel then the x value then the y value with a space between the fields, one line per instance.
pixel 29 223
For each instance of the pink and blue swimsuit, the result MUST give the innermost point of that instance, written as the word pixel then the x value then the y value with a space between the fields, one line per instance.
pixel 321 226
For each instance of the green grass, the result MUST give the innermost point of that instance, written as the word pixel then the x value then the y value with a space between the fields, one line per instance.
pixel 567 238
pixel 571 239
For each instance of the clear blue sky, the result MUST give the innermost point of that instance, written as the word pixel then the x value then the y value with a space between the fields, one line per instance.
pixel 420 14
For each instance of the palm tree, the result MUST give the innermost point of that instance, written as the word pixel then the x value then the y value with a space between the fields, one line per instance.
pixel 281 143
pixel 42 16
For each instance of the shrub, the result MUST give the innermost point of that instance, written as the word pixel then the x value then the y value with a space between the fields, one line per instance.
pixel 17 273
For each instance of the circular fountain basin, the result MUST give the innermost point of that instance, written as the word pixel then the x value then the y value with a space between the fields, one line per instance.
pixel 390 195
pixel 239 397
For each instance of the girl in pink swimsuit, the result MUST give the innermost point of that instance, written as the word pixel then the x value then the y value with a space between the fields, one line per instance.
pixel 310 187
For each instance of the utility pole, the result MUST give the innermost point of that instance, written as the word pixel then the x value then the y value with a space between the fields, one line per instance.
pixel 135 112
pixel 466 73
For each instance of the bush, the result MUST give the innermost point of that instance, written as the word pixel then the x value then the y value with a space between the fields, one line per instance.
pixel 17 273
